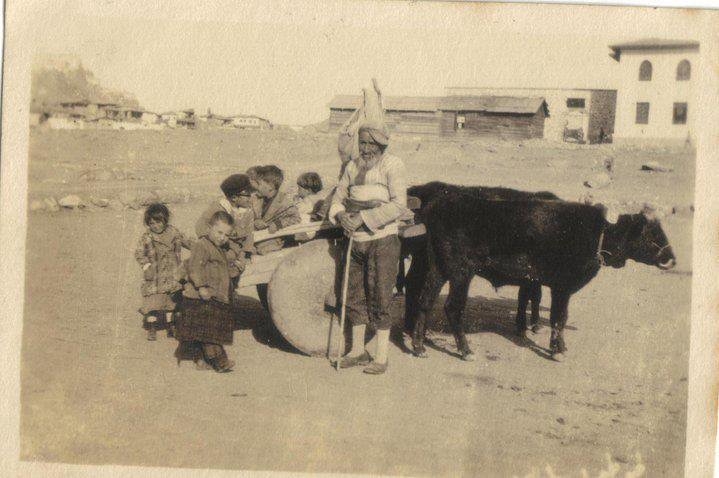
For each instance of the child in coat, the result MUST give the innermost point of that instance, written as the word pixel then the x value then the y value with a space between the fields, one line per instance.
pixel 206 323
pixel 237 191
pixel 159 255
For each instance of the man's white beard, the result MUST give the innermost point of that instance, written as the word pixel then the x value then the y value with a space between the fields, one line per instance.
pixel 369 163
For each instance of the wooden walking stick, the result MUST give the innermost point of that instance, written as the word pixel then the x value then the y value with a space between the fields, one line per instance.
pixel 345 280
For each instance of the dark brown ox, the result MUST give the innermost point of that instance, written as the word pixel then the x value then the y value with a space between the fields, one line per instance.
pixel 557 244
pixel 529 291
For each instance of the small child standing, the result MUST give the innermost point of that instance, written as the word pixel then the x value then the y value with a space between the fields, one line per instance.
pixel 237 202
pixel 159 254
pixel 206 323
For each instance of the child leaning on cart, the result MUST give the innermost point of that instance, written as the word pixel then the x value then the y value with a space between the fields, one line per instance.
pixel 310 197
pixel 207 323
pixel 274 209
pixel 159 255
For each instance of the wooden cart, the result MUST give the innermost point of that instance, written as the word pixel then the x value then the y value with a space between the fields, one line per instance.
pixel 304 284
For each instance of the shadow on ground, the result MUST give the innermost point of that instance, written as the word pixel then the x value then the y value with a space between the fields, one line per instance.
pixel 250 315
pixel 481 315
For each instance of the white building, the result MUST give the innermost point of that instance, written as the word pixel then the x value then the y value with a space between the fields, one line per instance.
pixel 657 94
pixel 590 111
pixel 249 121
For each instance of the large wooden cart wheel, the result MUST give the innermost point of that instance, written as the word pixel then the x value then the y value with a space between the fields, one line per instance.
pixel 302 297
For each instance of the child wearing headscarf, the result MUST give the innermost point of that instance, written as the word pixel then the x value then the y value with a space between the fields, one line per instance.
pixel 159 254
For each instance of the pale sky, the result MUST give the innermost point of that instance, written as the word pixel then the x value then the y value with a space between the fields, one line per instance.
pixel 286 60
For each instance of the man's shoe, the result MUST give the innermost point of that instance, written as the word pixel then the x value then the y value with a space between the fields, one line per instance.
pixel 376 368
pixel 202 365
pixel 348 361
pixel 227 367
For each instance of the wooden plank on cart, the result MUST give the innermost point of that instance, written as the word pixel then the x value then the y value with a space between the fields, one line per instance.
pixel 260 268
pixel 293 230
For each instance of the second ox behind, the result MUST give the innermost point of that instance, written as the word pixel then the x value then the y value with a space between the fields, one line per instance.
pixel 519 240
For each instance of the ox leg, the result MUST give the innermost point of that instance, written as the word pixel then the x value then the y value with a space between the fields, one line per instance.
pixel 428 296
pixel 414 281
pixel 457 299
pixel 522 301
pixel 558 319
pixel 536 297
pixel 400 282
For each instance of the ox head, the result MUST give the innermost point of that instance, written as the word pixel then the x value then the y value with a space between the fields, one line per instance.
pixel 644 240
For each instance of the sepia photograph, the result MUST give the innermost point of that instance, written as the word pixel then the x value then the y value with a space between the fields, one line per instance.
pixel 362 238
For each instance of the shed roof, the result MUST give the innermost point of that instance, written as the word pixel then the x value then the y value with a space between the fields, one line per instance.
pixel 495 104
pixel 491 104
pixel 390 103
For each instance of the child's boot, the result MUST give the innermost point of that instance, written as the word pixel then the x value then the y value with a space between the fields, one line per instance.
pixel 151 329
pixel 170 325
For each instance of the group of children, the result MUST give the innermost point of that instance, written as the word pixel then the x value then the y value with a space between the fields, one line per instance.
pixel 194 297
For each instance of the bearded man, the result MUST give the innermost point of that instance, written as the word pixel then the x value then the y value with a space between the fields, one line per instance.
pixel 370 198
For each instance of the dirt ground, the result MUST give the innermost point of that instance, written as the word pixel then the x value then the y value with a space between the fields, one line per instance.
pixel 94 391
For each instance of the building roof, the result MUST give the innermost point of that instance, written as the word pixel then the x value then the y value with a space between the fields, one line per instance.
pixel 490 104
pixel 390 103
pixel 127 108
pixel 251 116
pixel 495 104
pixel 449 89
pixel 652 44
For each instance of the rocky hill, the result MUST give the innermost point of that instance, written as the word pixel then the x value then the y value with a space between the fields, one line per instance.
pixel 54 82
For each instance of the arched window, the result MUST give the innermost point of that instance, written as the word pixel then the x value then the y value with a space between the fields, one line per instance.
pixel 684 70
pixel 645 71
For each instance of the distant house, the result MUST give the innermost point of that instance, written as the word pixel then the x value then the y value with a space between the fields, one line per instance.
pixel 217 121
pixel 186 119
pixel 77 113
pixel 98 109
pixel 250 122
pixel 179 119
pixel 64 115
pixel 169 118
pixel 74 106
pixel 658 98
pixel 491 116
pixel 61 119
pixel 150 118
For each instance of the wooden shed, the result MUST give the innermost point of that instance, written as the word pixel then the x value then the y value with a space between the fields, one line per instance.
pixel 496 116
pixel 505 117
